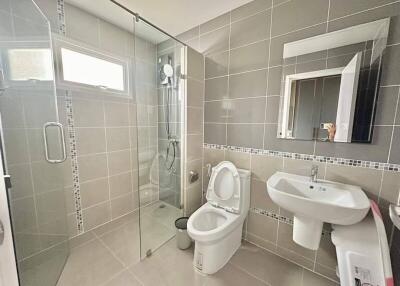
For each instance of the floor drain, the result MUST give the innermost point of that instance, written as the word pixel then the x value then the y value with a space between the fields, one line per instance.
pixel 161 206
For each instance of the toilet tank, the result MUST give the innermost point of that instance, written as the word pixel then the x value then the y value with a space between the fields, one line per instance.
pixel 245 176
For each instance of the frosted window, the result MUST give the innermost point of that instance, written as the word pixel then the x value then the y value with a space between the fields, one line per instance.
pixel 28 64
pixel 85 69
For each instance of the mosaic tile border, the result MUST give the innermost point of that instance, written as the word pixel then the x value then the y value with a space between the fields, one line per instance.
pixel 272 215
pixel 307 157
pixel 62 29
pixel 280 218
pixel 74 162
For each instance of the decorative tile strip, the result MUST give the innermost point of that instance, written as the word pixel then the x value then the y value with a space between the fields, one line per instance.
pixel 281 218
pixel 307 157
pixel 74 162
pixel 61 17
pixel 272 215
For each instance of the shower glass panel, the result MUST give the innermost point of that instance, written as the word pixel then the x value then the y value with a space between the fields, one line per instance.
pixel 159 97
pixel 29 119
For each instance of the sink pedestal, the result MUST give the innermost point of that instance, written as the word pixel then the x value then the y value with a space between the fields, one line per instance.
pixel 307 232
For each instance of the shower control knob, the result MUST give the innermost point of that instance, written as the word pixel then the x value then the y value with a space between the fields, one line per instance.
pixel 193 176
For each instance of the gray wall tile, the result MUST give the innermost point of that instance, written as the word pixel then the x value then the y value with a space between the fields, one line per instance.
pixel 295 146
pixel 386 105
pixel 215 23
pixel 245 135
pixel 250 30
pixel 92 167
pixel 249 58
pixel 6 30
pixel 90 140
pixel 216 65
pixel 390 188
pixel 216 88
pixel 195 93
pixel 251 84
pixel 369 180
pixel 391 70
pixel 81 26
pixel 394 30
pixel 215 112
pixel 196 66
pixel 340 8
pixel 276 48
pixel 272 112
pixel 215 41
pixel 293 13
pixel 250 9
pixel 190 34
pixel 249 110
pixel 274 81
pixel 395 150
pixel 94 192
pixel 88 113
pixel 215 133
pixel 377 150
pixel 364 17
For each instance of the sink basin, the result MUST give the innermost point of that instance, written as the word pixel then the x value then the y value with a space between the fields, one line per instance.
pixel 314 203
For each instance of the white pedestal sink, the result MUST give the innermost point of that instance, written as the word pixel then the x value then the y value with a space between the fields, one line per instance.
pixel 314 203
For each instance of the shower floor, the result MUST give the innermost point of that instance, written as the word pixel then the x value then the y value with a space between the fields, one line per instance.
pixel 116 244
pixel 109 256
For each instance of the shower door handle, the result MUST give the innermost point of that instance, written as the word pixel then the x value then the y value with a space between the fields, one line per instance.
pixel 46 145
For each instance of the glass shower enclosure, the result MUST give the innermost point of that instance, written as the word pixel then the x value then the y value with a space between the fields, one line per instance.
pixel 159 97
pixel 33 149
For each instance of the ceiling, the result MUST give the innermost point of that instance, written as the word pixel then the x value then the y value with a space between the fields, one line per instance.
pixel 173 16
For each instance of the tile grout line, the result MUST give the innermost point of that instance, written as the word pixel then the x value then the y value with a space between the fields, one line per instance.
pixel 125 268
pixel 363 11
pixel 268 71
pixel 249 273
pixel 394 123
pixel 110 217
pixel 290 260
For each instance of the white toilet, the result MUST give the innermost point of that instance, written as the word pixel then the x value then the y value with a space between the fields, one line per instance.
pixel 216 227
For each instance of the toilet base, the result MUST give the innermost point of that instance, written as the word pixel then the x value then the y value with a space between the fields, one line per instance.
pixel 209 257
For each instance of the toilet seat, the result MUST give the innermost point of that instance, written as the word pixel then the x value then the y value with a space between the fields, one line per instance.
pixel 212 230
pixel 224 188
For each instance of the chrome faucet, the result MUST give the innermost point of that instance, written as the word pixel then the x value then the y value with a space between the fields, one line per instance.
pixel 314 173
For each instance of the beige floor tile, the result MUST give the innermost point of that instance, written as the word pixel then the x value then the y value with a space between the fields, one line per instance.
pixel 125 278
pixel 310 279
pixel 153 233
pixel 266 266
pixel 89 265
pixel 124 242
pixel 111 258
pixel 230 275
pixel 163 213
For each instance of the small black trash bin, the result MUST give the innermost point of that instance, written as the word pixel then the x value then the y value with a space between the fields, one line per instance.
pixel 183 240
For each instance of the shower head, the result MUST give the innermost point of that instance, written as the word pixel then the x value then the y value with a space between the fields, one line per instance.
pixel 166 73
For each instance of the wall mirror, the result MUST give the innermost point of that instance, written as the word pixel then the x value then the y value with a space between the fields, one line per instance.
pixel 330 84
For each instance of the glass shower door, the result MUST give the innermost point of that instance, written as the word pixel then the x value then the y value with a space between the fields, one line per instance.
pixel 159 103
pixel 33 147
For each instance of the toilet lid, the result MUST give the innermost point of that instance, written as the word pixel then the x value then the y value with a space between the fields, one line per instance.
pixel 224 187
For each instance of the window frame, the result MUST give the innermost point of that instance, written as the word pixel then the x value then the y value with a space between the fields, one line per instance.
pixel 28 83
pixel 60 43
